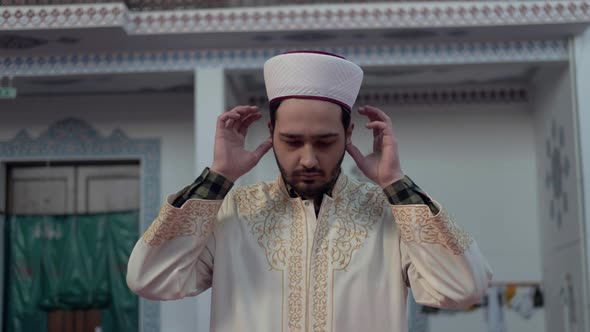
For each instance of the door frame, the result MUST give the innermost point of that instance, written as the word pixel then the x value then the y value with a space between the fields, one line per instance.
pixel 74 141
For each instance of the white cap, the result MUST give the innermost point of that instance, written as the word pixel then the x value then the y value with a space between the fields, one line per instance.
pixel 312 75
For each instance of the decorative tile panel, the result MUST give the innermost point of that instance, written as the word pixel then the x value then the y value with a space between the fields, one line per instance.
pixel 418 14
pixel 73 139
pixel 362 16
pixel 60 17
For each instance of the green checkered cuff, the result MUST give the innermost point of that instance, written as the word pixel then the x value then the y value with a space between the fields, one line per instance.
pixel 405 191
pixel 209 185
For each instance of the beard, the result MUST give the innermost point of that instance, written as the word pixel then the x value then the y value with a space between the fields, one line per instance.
pixel 312 189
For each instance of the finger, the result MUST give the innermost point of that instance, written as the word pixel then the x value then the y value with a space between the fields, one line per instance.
pixel 223 118
pixel 262 149
pixel 356 155
pixel 244 110
pixel 247 121
pixel 377 139
pixel 228 115
pixel 374 113
pixel 244 123
pixel 380 126
pixel 385 139
pixel 376 132
pixel 235 114
pixel 372 116
pixel 236 123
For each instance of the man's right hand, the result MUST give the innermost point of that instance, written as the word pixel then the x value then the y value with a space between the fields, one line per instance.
pixel 230 158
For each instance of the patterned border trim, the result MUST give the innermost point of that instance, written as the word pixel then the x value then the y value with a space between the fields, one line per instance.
pixel 340 16
pixel 53 2
pixel 445 96
pixel 72 138
pixel 432 96
pixel 362 16
pixel 71 16
pixel 181 60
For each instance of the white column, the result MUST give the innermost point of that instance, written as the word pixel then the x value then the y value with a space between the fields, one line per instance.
pixel 192 314
pixel 209 103
pixel 582 86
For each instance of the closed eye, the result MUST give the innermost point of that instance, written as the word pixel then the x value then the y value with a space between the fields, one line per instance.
pixel 294 143
pixel 324 144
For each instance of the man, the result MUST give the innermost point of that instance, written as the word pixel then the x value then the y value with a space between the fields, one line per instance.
pixel 313 250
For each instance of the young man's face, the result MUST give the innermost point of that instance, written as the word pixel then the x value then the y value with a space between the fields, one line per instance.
pixel 309 144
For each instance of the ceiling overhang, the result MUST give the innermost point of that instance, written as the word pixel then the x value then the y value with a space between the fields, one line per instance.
pixel 120 39
pixel 369 55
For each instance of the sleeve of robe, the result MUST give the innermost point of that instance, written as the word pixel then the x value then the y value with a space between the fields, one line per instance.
pixel 441 263
pixel 174 258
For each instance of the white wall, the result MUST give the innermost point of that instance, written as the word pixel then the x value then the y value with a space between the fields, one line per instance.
pixel 2 234
pixel 562 242
pixel 582 82
pixel 479 162
pixel 466 157
pixel 168 117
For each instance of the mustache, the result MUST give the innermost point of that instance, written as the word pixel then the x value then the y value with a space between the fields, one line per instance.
pixel 307 171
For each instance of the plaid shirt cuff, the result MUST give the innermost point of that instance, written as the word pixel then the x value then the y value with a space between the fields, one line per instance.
pixel 405 191
pixel 209 185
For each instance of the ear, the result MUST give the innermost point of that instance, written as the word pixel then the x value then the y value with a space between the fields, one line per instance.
pixel 349 131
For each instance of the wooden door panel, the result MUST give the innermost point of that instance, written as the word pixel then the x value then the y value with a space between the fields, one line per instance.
pixel 42 190
pixel 73 320
pixel 108 188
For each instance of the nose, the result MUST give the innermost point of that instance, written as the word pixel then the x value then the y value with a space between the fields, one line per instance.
pixel 308 157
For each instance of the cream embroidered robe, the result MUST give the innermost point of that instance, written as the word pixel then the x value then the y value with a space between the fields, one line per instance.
pixel 273 266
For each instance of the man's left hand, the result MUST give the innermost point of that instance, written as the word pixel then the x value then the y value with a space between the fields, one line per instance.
pixel 382 166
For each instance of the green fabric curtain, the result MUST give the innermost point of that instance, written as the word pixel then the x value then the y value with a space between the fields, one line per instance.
pixel 70 262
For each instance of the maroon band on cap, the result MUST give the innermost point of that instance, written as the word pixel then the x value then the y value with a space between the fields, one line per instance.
pixel 316 52
pixel 338 102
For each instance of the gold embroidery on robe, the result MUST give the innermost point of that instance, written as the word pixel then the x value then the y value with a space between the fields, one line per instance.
pixel 279 227
pixel 194 218
pixel 354 211
pixel 278 224
pixel 417 224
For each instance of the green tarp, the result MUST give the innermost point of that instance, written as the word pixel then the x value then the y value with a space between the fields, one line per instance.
pixel 70 262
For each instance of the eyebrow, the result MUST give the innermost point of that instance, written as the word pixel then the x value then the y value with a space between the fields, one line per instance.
pixel 296 136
